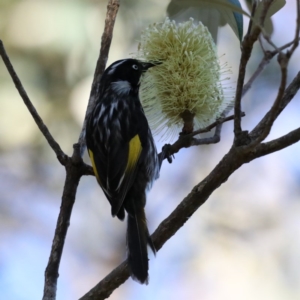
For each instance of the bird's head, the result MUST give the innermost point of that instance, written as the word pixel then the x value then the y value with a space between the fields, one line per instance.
pixel 124 75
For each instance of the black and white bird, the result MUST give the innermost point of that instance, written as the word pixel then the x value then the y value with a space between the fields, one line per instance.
pixel 124 156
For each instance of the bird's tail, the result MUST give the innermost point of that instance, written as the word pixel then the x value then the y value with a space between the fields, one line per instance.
pixel 137 240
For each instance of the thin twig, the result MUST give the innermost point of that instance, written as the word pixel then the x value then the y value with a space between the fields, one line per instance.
pixel 273 113
pixel 247 47
pixel 188 140
pixel 268 55
pixel 296 39
pixel 111 14
pixel 253 10
pixel 269 41
pixel 214 124
pixel 61 156
pixel 209 140
pixel 289 94
pixel 276 107
pixel 277 144
pixel 285 46
pixel 266 6
pixel 264 62
pixel 217 135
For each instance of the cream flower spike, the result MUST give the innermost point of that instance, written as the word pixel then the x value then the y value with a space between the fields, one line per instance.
pixel 185 90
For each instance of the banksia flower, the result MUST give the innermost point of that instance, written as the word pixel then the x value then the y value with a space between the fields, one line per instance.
pixel 185 90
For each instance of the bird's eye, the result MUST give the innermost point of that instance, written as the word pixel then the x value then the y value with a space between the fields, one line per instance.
pixel 135 67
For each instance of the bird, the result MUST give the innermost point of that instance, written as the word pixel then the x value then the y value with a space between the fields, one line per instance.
pixel 124 156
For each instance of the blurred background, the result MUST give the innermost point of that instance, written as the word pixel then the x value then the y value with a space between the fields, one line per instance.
pixel 242 244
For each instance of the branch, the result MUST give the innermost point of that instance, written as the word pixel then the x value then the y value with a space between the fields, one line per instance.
pixel 296 39
pixel 173 223
pixel 233 160
pixel 63 221
pixel 75 167
pixel 268 55
pixel 247 46
pixel 217 135
pixel 210 140
pixel 214 124
pixel 276 108
pixel 111 14
pixel 264 62
pixel 61 156
pixel 277 144
pixel 107 285
pixel 289 94
pixel 187 140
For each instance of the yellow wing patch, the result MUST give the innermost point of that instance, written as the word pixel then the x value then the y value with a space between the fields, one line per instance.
pixel 135 149
pixel 91 154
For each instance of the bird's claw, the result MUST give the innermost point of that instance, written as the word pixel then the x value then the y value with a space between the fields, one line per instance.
pixel 166 150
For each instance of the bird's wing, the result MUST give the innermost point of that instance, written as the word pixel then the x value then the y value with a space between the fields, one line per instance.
pixel 122 178
pixel 115 164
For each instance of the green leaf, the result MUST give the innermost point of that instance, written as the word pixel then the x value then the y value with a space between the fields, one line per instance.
pixel 238 19
pixel 212 13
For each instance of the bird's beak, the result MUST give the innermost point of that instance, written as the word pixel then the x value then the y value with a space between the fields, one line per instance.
pixel 148 65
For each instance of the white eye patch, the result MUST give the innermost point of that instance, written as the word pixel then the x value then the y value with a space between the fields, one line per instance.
pixel 135 67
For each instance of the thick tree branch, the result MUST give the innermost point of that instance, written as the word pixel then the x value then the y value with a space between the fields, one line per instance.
pixel 61 156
